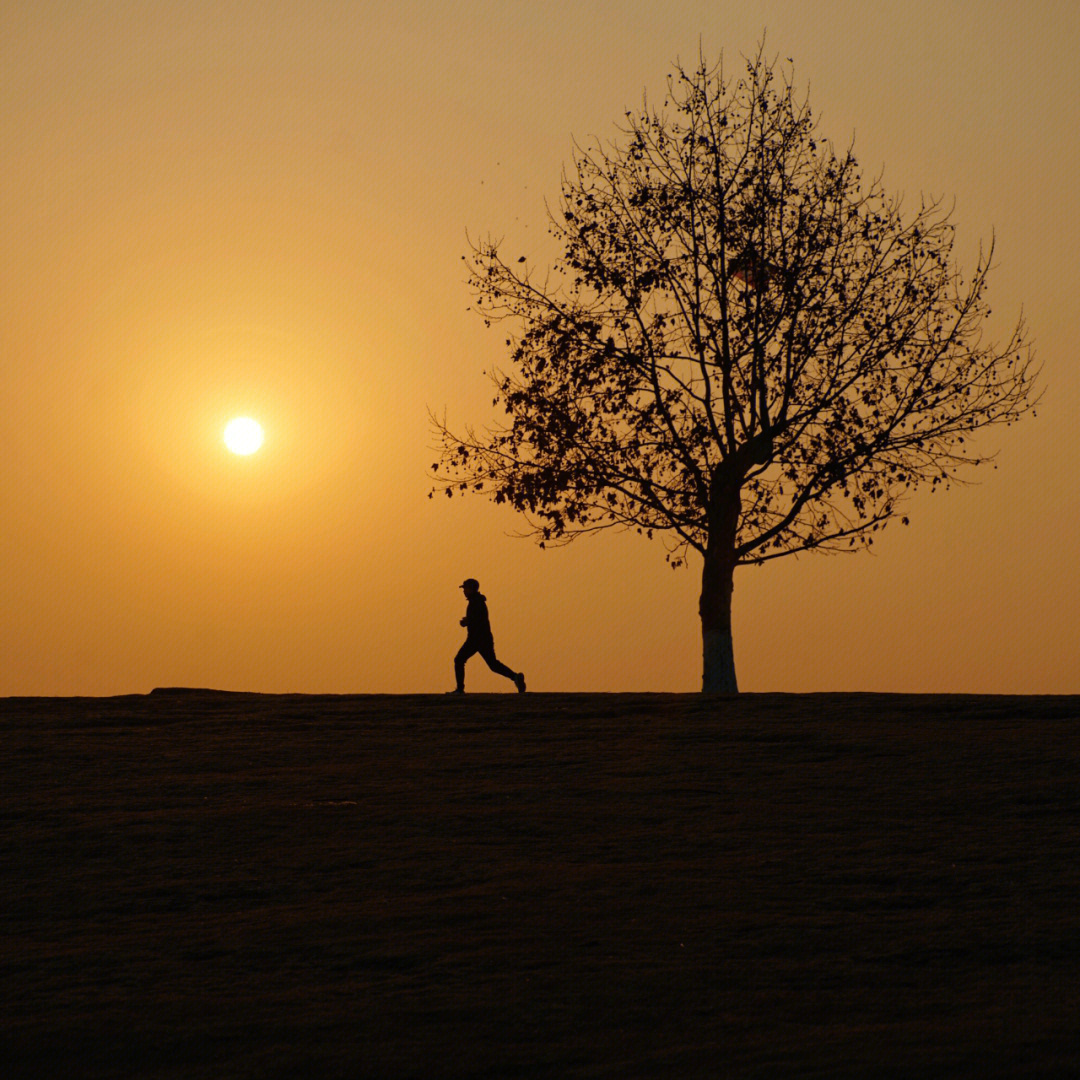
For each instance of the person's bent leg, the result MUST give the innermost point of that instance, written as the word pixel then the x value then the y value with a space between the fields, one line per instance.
pixel 463 654
pixel 488 653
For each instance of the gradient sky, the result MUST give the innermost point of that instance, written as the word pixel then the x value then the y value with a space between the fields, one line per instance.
pixel 217 208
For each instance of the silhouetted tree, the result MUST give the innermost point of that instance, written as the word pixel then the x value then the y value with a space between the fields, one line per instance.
pixel 742 346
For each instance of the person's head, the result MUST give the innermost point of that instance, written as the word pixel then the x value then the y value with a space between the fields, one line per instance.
pixel 471 586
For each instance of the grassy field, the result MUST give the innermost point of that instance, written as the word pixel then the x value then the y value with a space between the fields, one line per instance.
pixel 230 885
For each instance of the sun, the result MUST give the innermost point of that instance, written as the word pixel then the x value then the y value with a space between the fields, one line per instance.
pixel 243 435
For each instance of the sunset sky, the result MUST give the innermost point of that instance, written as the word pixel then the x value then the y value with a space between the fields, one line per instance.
pixel 214 209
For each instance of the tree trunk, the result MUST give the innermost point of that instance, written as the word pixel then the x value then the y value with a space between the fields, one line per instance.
pixel 717 581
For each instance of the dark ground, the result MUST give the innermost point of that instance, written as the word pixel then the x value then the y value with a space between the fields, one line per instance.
pixel 209 885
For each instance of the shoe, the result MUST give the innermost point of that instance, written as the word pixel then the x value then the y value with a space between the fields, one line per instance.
pixel 519 682
pixel 457 691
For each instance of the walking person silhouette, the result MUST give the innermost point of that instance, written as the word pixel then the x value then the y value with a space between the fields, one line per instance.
pixel 478 639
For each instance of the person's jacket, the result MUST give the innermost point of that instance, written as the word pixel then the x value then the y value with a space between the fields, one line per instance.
pixel 476 618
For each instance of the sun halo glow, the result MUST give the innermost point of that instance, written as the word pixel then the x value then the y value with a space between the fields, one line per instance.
pixel 243 435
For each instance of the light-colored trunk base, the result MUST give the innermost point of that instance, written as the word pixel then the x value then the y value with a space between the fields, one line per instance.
pixel 719 664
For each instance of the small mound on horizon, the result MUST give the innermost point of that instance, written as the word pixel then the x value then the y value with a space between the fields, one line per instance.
pixel 187 691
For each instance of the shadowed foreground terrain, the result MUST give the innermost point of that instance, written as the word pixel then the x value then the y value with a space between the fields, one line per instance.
pixel 204 884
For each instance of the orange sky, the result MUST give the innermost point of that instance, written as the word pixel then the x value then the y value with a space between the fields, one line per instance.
pixel 221 208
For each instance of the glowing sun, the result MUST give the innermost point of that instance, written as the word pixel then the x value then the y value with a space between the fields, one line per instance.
pixel 243 435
